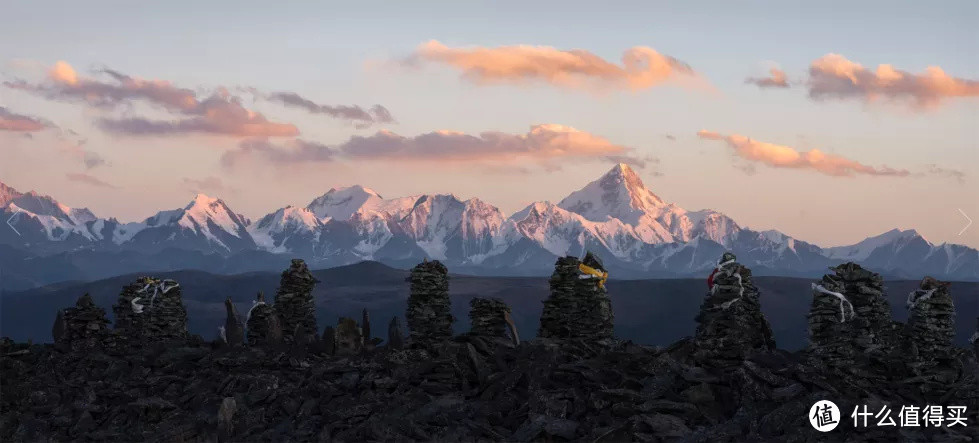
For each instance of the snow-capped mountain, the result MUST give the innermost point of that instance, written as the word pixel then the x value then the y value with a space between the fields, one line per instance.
pixel 636 232
pixel 205 224
pixel 39 222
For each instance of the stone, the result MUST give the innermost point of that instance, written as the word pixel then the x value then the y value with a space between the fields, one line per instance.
pixel 330 340
pixel 931 319
pixel 264 327
pixel 849 316
pixel 233 329
pixel 579 306
pixel 366 327
pixel 428 313
pixel 84 326
pixel 396 334
pixel 488 317
pixel 294 301
pixel 151 310
pixel 730 325
pixel 349 338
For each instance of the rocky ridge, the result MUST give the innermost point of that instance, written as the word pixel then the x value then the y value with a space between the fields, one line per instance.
pixel 478 387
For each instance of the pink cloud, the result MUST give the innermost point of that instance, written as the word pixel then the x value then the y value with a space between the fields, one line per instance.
pixel 219 113
pixel 641 67
pixel 781 156
pixel 776 79
pixel 10 121
pixel 833 76
pixel 545 144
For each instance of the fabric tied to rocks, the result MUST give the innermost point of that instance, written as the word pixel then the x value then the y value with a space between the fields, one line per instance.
pixel 579 305
pixel 730 325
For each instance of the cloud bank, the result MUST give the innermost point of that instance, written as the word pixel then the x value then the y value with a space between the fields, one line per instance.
pixel 546 143
pixel 219 113
pixel 780 156
pixel 641 67
pixel 832 76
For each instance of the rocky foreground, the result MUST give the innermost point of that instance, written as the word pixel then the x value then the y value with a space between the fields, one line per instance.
pixel 143 382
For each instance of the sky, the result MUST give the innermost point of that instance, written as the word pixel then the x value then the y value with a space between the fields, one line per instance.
pixel 830 122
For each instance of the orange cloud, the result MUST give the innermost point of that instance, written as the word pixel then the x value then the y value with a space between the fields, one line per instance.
pixel 777 79
pixel 641 68
pixel 780 156
pixel 10 121
pixel 833 76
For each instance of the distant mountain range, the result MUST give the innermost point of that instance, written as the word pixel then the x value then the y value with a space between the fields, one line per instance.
pixel 636 233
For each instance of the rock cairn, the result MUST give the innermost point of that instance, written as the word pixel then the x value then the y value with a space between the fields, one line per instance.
pixel 488 316
pixel 84 326
pixel 330 340
pixel 294 301
pixel 264 327
pixel 349 337
pixel 151 309
pixel 579 306
pixel 428 315
pixel 931 319
pixel 849 315
pixel 396 334
pixel 730 324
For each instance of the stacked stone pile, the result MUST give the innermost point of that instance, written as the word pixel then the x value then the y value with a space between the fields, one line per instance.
pixel 579 306
pixel 488 316
pixel 264 327
pixel 83 326
pixel 294 302
pixel 931 319
pixel 349 337
pixel 730 324
pixel 849 316
pixel 428 315
pixel 151 309
pixel 396 334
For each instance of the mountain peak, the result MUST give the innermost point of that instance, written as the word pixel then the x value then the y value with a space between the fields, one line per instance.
pixel 620 193
pixel 203 200
pixel 7 194
pixel 342 203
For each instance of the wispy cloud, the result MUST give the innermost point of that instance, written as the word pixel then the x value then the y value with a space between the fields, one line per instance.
pixel 832 76
pixel 289 152
pixel 781 156
pixel 219 113
pixel 363 118
pixel 86 179
pixel 544 144
pixel 776 79
pixel 642 67
pixel 10 121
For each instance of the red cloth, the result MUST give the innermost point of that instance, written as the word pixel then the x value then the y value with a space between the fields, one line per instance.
pixel 710 279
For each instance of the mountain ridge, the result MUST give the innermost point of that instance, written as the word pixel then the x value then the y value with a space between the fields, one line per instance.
pixel 635 231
